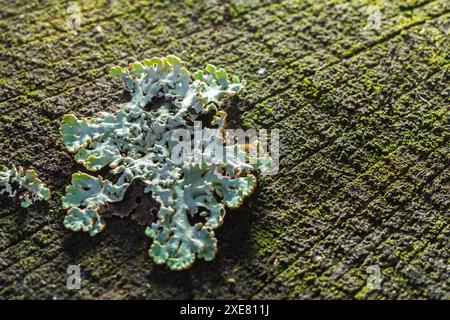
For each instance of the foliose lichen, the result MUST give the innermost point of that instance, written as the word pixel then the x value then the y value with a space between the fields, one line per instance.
pixel 24 184
pixel 139 142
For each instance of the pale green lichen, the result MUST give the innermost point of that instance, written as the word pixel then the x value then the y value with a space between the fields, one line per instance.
pixel 91 194
pixel 24 184
pixel 137 142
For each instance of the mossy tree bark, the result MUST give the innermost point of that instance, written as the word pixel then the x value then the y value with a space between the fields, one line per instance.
pixel 364 117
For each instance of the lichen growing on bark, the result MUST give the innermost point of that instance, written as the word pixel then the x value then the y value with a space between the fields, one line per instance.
pixel 24 184
pixel 153 139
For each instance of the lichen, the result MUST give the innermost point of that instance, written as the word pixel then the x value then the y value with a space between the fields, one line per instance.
pixel 141 141
pixel 24 184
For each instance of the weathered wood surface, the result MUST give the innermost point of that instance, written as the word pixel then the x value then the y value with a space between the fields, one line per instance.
pixel 364 119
